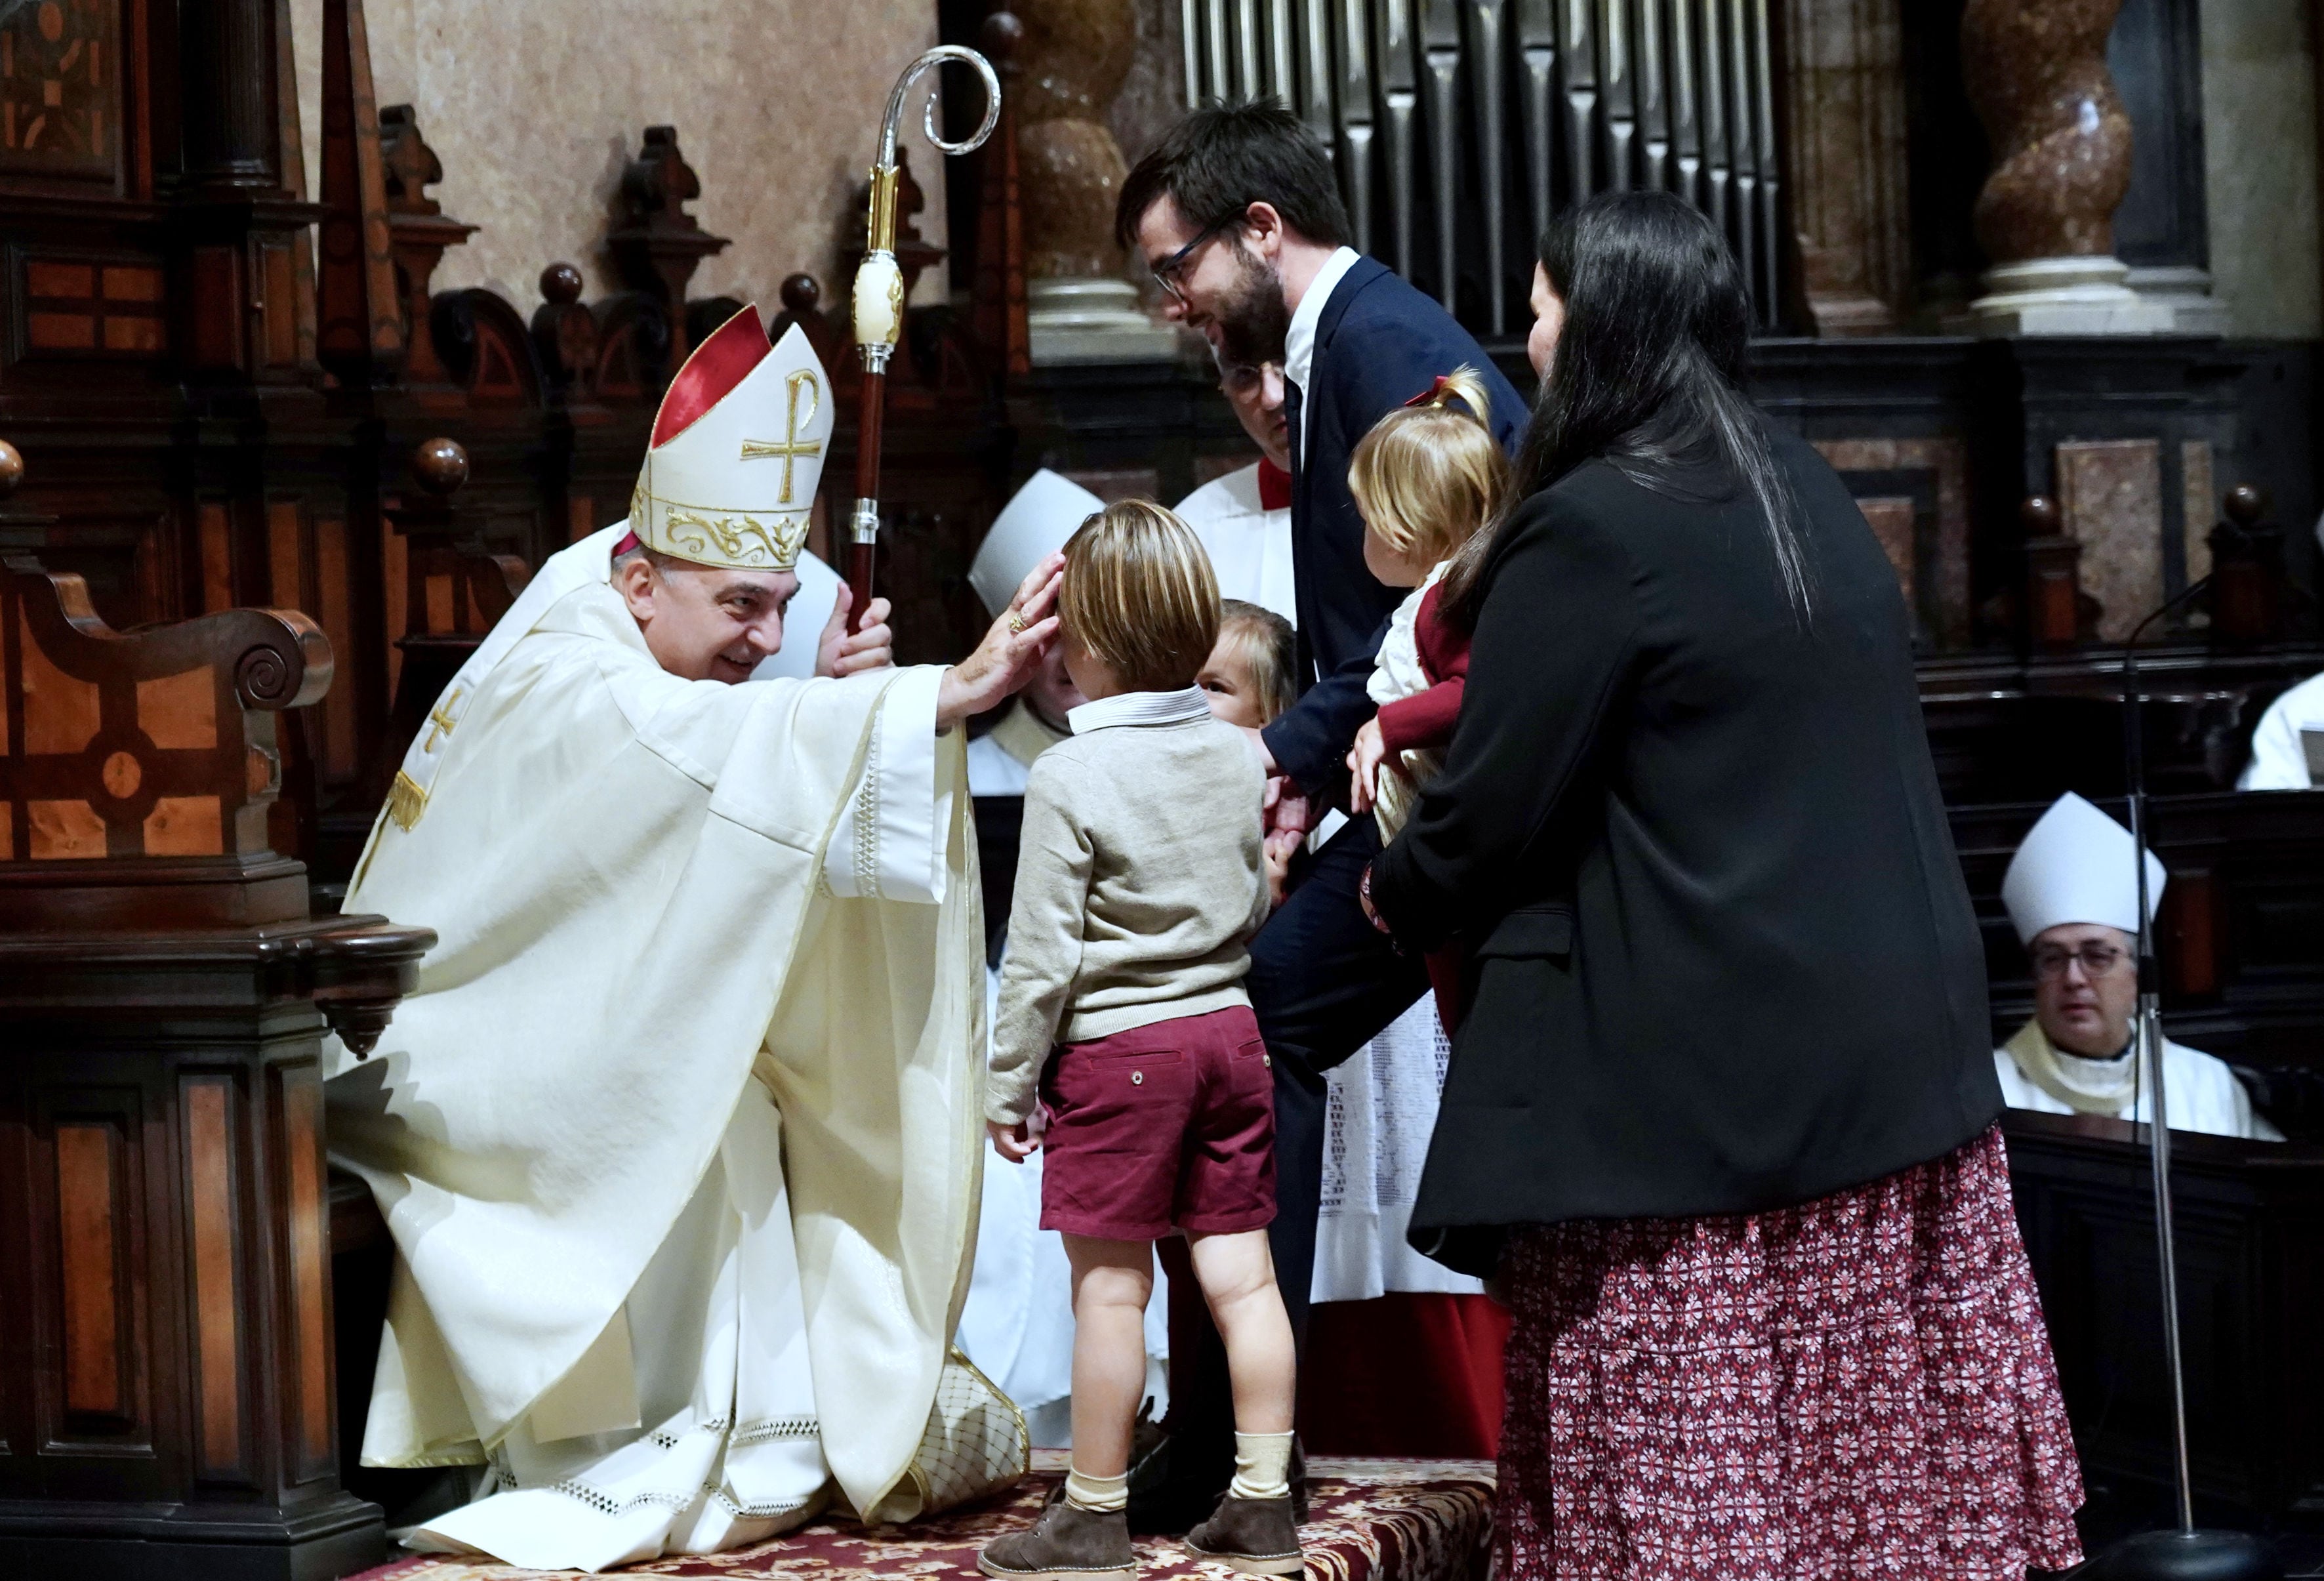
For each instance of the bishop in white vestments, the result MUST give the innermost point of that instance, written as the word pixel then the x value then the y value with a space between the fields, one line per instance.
pixel 679 1139
pixel 2072 895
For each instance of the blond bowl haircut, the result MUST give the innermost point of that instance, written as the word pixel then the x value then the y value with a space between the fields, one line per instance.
pixel 1269 648
pixel 1427 476
pixel 1140 595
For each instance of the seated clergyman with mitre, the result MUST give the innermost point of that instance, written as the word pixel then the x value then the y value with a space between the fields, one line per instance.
pixel 680 1138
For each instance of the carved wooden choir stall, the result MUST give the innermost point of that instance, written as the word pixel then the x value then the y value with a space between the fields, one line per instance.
pixel 167 1403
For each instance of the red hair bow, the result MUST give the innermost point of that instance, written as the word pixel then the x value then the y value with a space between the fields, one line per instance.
pixel 1431 395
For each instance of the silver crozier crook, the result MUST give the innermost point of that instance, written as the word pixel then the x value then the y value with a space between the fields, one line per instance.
pixel 880 297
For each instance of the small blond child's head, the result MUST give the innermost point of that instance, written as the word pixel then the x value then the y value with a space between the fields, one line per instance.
pixel 1140 597
pixel 1249 674
pixel 1425 477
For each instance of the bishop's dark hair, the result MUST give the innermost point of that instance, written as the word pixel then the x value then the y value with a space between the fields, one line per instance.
pixel 1648 374
pixel 1222 158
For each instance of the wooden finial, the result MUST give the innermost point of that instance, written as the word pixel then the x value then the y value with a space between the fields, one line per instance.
pixel 560 285
pixel 2039 516
pixel 999 37
pixel 2244 504
pixel 12 469
pixel 801 293
pixel 440 466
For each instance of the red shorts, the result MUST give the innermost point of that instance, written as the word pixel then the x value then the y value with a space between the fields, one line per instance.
pixel 1171 1123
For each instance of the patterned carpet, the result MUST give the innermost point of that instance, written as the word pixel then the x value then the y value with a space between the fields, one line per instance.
pixel 1368 1520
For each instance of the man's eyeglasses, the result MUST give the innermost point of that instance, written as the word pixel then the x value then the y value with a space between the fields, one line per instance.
pixel 1241 379
pixel 1166 272
pixel 2098 959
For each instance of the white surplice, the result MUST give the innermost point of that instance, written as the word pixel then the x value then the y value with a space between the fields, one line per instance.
pixel 1249 545
pixel 1380 1109
pixel 2279 756
pixel 681 1133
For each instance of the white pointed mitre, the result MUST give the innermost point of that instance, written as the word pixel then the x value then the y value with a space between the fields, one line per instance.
pixel 738 448
pixel 1035 522
pixel 2074 866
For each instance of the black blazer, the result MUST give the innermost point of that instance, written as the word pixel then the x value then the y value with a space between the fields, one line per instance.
pixel 1721 954
pixel 1378 344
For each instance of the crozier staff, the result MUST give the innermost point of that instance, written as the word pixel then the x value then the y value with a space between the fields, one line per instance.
pixel 1720 1115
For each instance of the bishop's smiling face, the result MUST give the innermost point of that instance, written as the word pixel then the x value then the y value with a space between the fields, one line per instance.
pixel 705 623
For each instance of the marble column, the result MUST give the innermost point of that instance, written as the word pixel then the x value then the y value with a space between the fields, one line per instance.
pixel 1080 308
pixel 1845 168
pixel 2037 74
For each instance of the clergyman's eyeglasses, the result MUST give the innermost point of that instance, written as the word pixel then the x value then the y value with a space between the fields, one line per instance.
pixel 2098 960
pixel 1167 272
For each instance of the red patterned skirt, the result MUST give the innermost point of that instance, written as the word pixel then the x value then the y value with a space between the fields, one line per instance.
pixel 1858 1386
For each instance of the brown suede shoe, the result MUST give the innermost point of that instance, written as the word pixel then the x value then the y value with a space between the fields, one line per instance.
pixel 1255 1536
pixel 1065 1544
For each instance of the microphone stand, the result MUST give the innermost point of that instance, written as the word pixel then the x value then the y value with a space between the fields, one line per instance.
pixel 2185 1553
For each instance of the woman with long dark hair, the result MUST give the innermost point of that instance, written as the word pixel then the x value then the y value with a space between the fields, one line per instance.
pixel 1720 1116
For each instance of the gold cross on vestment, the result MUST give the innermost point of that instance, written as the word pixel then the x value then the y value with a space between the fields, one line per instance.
pixel 790 448
pixel 442 720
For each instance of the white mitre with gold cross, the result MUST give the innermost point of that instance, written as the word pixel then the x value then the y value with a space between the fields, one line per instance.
pixel 738 447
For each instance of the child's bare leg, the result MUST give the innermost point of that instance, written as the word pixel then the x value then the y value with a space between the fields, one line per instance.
pixel 1254 1528
pixel 1112 1282
pixel 1085 1535
pixel 1237 1274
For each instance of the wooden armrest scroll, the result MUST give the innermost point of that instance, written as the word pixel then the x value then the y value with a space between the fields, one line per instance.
pixel 151 743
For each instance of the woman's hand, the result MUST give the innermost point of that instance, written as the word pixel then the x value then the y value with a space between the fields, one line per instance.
pixel 1014 1142
pixel 839 652
pixel 1364 764
pixel 1011 651
pixel 1284 809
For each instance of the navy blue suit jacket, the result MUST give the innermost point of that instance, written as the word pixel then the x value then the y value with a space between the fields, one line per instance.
pixel 1377 345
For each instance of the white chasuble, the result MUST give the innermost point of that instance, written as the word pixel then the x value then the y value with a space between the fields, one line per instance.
pixel 679 1139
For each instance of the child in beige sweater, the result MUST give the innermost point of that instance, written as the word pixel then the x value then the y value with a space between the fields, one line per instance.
pixel 1124 1026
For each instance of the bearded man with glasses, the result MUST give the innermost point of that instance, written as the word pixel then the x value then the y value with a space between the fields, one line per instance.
pixel 2072 896
pixel 1237 213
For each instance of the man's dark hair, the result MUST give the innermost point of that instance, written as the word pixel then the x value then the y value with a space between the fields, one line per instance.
pixel 1225 157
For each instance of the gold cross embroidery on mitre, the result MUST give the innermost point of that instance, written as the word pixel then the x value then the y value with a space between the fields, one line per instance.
pixel 790 448
pixel 442 720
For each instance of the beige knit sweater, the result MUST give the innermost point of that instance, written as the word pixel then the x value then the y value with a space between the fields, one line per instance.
pixel 1138 883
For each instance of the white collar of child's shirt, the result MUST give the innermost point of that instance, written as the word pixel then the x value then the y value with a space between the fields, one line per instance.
pixel 1140 707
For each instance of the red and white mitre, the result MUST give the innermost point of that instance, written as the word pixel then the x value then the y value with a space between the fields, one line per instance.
pixel 738 448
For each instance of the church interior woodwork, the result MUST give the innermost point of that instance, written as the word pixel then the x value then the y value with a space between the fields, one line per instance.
pixel 265 485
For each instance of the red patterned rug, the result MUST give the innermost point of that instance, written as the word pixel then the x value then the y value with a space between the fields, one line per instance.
pixel 1368 1520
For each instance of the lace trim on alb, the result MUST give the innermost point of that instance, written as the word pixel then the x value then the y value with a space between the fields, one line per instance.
pixel 724 1500
pixel 867 818
pixel 766 1430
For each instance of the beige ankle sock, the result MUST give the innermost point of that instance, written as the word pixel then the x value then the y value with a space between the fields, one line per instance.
pixel 1262 1466
pixel 1104 1495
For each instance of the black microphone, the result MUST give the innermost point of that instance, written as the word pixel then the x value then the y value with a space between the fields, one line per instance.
pixel 2183 1553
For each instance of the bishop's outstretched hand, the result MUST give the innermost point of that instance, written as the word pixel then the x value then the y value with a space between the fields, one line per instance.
pixel 1011 651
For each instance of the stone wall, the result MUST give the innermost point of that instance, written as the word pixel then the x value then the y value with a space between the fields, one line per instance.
pixel 534 106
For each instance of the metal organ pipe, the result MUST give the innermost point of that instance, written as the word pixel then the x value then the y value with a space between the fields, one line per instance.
pixel 1411 97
